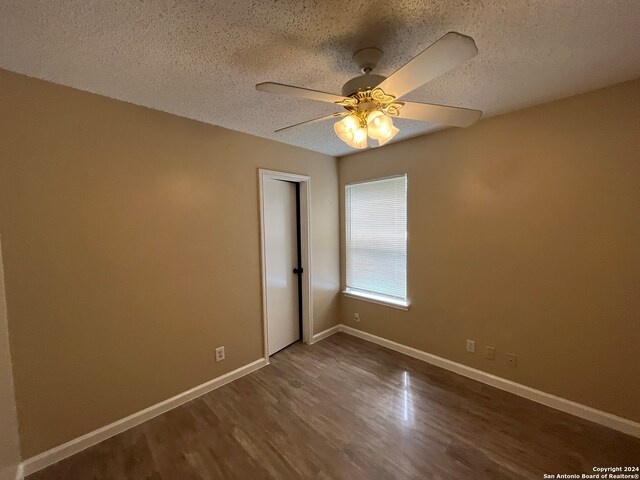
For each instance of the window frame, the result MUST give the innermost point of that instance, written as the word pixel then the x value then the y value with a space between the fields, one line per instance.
pixel 372 297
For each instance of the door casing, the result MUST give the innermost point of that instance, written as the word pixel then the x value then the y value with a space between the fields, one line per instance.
pixel 304 182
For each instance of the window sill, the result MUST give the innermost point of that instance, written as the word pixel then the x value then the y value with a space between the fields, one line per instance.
pixel 387 302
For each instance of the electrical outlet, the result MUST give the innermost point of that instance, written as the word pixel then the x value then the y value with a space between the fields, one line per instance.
pixel 512 360
pixel 356 317
pixel 489 352
pixel 219 354
pixel 471 346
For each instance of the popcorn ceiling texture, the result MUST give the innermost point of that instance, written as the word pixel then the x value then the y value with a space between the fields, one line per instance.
pixel 201 59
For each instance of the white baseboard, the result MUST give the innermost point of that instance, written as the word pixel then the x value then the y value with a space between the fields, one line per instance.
pixel 325 333
pixel 597 416
pixel 65 450
pixel 76 445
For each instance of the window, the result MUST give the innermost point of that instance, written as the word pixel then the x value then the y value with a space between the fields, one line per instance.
pixel 376 230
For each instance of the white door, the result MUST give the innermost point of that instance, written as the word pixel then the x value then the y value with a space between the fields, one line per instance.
pixel 281 257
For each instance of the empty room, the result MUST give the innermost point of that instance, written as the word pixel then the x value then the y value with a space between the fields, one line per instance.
pixel 302 239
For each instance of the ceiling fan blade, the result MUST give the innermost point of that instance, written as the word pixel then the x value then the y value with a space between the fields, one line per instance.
pixel 326 117
pixel 427 112
pixel 292 91
pixel 450 51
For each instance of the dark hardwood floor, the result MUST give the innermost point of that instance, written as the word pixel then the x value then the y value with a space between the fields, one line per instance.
pixel 348 409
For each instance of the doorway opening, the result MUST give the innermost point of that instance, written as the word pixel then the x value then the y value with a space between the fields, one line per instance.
pixel 286 267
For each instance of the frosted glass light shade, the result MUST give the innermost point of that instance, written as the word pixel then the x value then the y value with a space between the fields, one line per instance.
pixel 392 133
pixel 379 125
pixel 359 138
pixel 345 128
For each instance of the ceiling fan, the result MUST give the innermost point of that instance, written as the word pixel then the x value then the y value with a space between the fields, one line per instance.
pixel 370 100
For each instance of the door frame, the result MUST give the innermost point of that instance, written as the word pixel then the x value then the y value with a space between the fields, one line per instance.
pixel 305 252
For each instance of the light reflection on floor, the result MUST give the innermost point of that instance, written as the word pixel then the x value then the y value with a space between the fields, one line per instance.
pixel 407 397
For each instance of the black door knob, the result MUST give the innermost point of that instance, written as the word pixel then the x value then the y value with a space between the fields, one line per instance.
pixel 297 271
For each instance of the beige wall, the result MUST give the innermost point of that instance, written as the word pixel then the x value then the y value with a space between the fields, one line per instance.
pixel 131 249
pixel 131 246
pixel 9 441
pixel 524 234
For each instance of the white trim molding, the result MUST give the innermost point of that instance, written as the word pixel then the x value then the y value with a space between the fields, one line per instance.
pixel 76 445
pixel 305 252
pixel 379 299
pixel 568 406
pixel 325 333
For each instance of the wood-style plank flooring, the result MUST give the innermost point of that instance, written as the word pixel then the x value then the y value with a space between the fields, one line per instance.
pixel 348 409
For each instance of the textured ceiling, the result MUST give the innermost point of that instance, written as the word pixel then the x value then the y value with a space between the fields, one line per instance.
pixel 201 59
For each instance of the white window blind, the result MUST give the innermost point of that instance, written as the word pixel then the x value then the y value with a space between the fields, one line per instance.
pixel 376 230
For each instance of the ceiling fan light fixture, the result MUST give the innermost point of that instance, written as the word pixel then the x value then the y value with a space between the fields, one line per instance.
pixel 357 128
pixel 369 105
